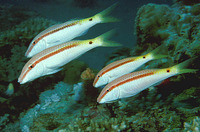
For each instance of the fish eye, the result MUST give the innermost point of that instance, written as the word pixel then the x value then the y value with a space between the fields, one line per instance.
pixel 31 66
pixel 107 90
pixel 34 43
pixel 90 42
pixel 144 57
pixel 168 70
pixel 90 19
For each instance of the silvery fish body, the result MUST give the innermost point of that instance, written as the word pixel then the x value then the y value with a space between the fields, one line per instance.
pixel 51 59
pixel 133 83
pixel 67 31
pixel 125 66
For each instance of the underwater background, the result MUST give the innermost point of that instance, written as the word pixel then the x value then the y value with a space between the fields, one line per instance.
pixel 66 101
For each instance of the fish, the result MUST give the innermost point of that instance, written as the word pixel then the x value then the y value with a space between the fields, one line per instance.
pixel 67 31
pixel 50 60
pixel 10 89
pixel 125 66
pixel 133 83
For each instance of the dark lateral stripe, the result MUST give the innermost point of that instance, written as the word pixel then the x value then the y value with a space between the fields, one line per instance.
pixel 126 81
pixel 115 66
pixel 47 56
pixel 118 65
pixel 56 30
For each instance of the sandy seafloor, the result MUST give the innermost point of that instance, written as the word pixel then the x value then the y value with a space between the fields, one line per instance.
pixel 61 11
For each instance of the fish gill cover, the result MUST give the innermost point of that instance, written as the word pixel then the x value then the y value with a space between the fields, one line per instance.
pixel 66 101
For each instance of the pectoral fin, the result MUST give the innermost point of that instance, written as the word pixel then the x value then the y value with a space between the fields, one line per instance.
pixel 54 71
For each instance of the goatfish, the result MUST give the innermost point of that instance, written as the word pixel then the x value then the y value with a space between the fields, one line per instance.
pixel 133 83
pixel 125 66
pixel 51 59
pixel 67 31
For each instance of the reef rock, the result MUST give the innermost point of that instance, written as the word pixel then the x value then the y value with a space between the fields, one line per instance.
pixel 177 27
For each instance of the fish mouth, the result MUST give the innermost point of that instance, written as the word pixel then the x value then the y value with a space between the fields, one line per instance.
pixel 100 101
pixel 27 54
pixel 20 81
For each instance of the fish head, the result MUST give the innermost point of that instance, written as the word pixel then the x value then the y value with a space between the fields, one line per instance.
pixel 92 20
pixel 168 71
pixel 100 80
pixel 144 58
pixel 30 72
pixel 109 94
pixel 35 47
pixel 90 43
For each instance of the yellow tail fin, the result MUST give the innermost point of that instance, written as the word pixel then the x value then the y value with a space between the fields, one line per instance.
pixel 104 15
pixel 159 52
pixel 181 67
pixel 104 39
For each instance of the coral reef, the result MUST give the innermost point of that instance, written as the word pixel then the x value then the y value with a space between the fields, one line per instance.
pixel 53 111
pixel 67 100
pixel 188 2
pixel 4 120
pixel 13 44
pixel 174 27
pixel 90 92
pixel 23 33
pixel 193 126
pixel 13 15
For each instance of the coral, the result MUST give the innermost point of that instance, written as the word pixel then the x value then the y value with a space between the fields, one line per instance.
pixel 23 33
pixel 188 2
pixel 70 104
pixel 86 124
pixel 90 92
pixel 88 74
pixel 173 26
pixel 12 127
pixel 4 120
pixel 13 15
pixel 193 126
pixel 78 92
pixel 53 111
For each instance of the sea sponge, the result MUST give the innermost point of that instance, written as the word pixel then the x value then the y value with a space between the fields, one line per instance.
pixel 88 74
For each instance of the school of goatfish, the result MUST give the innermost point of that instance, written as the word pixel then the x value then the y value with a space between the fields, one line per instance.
pixel 53 48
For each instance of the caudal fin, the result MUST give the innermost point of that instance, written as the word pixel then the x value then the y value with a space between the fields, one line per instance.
pixel 104 39
pixel 182 67
pixel 159 52
pixel 104 15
